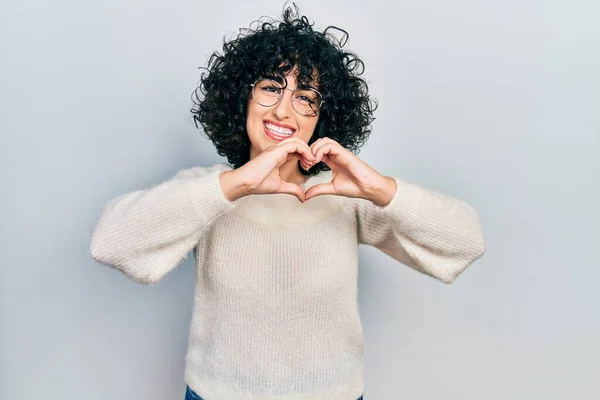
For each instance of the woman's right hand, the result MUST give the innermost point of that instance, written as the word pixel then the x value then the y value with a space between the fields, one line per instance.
pixel 261 174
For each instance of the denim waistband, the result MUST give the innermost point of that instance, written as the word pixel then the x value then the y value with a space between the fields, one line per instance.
pixel 191 395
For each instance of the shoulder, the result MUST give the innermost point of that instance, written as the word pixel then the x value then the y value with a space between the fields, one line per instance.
pixel 196 172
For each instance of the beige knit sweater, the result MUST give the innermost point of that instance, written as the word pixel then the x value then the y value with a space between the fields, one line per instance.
pixel 275 311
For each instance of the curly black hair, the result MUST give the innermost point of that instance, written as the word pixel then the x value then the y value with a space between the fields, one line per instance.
pixel 276 47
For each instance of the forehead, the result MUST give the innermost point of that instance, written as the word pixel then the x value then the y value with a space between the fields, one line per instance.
pixel 291 76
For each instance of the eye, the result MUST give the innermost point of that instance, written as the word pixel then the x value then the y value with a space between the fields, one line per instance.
pixel 307 97
pixel 271 89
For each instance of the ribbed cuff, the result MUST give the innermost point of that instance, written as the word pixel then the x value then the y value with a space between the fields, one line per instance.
pixel 207 197
pixel 404 206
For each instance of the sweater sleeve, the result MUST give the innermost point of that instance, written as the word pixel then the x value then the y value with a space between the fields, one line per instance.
pixel 147 233
pixel 434 233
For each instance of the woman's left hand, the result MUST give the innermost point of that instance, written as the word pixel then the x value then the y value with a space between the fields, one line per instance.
pixel 351 177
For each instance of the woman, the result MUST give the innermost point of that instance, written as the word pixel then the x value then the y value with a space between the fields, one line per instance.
pixel 276 234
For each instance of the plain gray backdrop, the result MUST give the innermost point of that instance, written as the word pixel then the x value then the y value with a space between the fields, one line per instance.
pixel 496 103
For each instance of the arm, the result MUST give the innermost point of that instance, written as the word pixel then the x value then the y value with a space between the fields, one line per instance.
pixel 147 233
pixel 434 233
pixel 431 232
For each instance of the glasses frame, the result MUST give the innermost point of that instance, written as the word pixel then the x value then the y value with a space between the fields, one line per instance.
pixel 253 86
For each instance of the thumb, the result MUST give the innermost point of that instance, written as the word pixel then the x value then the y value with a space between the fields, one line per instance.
pixel 320 189
pixel 292 188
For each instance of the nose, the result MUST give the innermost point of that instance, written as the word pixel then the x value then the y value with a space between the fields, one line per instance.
pixel 283 108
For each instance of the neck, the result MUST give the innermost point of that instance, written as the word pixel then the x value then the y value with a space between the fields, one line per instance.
pixel 289 172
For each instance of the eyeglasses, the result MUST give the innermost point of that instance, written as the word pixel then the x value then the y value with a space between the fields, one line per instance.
pixel 268 92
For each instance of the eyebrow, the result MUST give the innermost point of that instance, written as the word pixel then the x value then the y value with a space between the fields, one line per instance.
pixel 276 77
pixel 306 86
pixel 279 79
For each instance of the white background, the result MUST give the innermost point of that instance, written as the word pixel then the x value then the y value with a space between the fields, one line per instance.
pixel 496 103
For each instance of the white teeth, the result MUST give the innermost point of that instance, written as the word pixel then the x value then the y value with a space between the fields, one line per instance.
pixel 279 130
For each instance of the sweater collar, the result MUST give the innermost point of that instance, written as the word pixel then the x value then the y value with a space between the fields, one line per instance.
pixel 285 210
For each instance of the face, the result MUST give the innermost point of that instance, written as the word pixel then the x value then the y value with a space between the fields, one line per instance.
pixel 266 126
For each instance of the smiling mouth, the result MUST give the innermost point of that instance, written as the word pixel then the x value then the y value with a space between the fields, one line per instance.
pixel 277 132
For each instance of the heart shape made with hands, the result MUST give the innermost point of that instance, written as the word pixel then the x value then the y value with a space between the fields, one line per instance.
pixel 351 176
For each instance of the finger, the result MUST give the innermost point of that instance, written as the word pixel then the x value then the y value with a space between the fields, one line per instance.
pixel 308 156
pixel 322 141
pixel 299 142
pixel 327 148
pixel 317 144
pixel 292 188
pixel 296 146
pixel 297 156
pixel 305 165
pixel 319 190
pixel 282 154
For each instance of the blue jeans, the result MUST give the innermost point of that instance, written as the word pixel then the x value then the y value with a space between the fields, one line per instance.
pixel 191 395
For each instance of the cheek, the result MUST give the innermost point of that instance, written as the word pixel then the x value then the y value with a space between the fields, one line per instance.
pixel 309 129
pixel 253 118
pixel 249 111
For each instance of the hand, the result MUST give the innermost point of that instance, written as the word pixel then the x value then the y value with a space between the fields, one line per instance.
pixel 261 174
pixel 352 177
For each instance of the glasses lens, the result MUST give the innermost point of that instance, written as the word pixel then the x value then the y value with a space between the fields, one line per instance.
pixel 267 92
pixel 306 101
